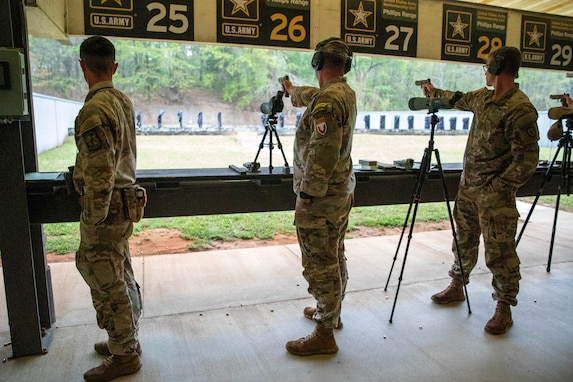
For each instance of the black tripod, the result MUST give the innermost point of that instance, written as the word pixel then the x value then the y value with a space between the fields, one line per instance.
pixel 424 171
pixel 270 129
pixel 565 143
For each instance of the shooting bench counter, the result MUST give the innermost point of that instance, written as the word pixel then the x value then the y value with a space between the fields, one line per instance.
pixel 188 192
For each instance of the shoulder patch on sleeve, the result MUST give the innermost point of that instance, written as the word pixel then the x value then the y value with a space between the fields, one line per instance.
pixel 527 127
pixel 93 140
pixel 321 126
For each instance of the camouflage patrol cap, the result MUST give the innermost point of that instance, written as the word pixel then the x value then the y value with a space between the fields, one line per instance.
pixel 332 46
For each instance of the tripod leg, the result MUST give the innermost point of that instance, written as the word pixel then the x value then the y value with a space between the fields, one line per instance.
pixel 539 193
pixel 548 269
pixel 271 147
pixel 261 145
pixel 415 199
pixel 416 204
pixel 565 168
pixel 280 146
pixel 447 199
pixel 424 168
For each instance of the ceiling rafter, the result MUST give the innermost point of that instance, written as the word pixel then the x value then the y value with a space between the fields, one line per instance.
pixel 550 7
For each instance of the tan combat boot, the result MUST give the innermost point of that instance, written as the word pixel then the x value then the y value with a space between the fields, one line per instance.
pixel 501 320
pixel 453 292
pixel 309 313
pixel 113 367
pixel 320 341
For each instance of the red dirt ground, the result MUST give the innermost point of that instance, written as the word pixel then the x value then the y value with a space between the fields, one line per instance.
pixel 169 241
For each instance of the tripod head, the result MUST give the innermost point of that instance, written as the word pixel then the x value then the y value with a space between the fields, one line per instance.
pixel 565 133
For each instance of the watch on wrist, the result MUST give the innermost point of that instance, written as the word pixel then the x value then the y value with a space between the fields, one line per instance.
pixel 304 195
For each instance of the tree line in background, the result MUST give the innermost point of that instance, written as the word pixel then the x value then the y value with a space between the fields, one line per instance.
pixel 247 76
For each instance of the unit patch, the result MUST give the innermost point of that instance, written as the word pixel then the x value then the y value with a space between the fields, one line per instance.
pixel 93 140
pixel 321 126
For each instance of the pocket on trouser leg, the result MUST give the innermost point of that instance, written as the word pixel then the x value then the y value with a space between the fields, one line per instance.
pixel 103 276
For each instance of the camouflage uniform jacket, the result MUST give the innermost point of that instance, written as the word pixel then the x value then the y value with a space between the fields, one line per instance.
pixel 106 158
pixel 323 143
pixel 502 150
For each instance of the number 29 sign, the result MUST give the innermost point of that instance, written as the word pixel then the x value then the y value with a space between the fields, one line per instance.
pixel 155 19
pixel 547 42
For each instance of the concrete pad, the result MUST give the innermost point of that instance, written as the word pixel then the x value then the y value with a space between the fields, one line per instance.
pixel 226 316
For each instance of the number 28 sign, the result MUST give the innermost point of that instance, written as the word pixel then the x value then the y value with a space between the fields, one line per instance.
pixel 470 34
pixel 156 19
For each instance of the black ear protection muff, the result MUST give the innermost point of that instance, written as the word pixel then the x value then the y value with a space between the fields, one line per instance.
pixel 317 60
pixel 348 64
pixel 318 57
pixel 497 63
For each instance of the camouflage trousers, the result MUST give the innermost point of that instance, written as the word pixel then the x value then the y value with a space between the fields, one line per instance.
pixel 321 227
pixel 104 261
pixel 493 215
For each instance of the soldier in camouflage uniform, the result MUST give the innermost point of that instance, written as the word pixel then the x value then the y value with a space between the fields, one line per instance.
pixel 324 184
pixel 501 154
pixel 105 164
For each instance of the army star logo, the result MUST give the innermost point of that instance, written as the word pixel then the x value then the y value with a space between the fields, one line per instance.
pixel 360 15
pixel 459 27
pixel 321 126
pixel 534 36
pixel 241 5
pixel 117 1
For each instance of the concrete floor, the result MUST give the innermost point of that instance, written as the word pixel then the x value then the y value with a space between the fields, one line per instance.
pixel 226 316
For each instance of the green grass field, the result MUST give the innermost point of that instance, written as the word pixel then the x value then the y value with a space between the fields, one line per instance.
pixel 163 152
